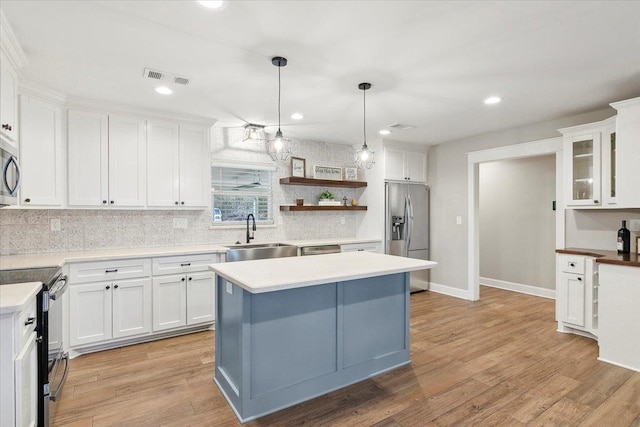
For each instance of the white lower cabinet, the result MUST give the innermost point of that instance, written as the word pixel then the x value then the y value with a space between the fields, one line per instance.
pixel 577 294
pixel 108 310
pixel 18 370
pixel 361 247
pixel 183 291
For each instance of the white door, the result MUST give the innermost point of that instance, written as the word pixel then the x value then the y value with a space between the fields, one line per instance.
pixel 169 302
pixel 26 385
pixel 416 164
pixel 131 307
pixel 88 139
pixel 127 161
pixel 195 186
pixel 200 298
pixel 163 176
pixel 574 304
pixel 90 313
pixel 394 164
pixel 8 100
pixel 41 149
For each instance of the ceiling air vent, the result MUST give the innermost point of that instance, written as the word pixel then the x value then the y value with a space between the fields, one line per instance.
pixel 400 126
pixel 163 76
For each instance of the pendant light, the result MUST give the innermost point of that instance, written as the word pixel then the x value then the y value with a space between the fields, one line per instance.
pixel 254 133
pixel 364 157
pixel 279 148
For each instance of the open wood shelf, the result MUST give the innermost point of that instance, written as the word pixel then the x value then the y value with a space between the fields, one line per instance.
pixel 294 180
pixel 322 208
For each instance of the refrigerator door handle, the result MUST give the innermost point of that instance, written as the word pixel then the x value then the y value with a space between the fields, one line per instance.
pixel 387 225
pixel 409 216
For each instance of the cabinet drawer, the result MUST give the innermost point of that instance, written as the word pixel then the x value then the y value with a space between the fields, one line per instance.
pixel 571 264
pixel 360 247
pixel 109 270
pixel 26 323
pixel 182 264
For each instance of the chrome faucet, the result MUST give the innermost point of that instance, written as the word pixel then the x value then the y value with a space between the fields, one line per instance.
pixel 250 232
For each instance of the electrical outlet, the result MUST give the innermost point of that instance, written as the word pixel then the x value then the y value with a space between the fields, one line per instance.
pixel 634 225
pixel 229 288
pixel 342 221
pixel 180 223
pixel 55 224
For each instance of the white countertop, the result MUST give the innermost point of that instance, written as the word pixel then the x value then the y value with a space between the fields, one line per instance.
pixel 277 274
pixel 14 297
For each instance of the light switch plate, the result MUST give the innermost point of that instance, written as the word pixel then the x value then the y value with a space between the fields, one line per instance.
pixel 634 225
pixel 55 224
pixel 180 223
pixel 459 220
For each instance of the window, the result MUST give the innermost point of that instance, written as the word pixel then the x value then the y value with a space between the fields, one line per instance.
pixel 238 191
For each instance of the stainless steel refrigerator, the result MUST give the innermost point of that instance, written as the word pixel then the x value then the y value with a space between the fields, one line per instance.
pixel 407 226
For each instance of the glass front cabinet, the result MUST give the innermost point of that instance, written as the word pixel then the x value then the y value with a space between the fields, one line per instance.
pixel 590 164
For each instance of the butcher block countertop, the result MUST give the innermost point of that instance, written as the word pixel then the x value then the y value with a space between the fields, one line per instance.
pixel 605 257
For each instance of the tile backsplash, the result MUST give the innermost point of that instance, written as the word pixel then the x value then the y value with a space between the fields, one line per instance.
pixel 30 230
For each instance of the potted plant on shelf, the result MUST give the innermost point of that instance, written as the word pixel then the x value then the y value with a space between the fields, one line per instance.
pixel 328 199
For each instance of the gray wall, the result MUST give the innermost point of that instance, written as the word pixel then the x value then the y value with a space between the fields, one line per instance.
pixel 448 181
pixel 517 223
pixel 597 229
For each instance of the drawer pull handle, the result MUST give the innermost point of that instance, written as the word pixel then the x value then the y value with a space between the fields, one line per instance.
pixel 571 264
pixel 115 270
pixel 107 287
pixel 185 264
pixel 580 279
pixel 29 321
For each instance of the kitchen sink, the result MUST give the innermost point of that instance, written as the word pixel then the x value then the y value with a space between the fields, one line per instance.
pixel 260 251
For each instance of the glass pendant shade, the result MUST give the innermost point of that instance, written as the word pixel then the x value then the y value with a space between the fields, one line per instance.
pixel 365 158
pixel 254 133
pixel 279 148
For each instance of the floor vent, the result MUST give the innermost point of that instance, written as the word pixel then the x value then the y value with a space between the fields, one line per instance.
pixel 163 76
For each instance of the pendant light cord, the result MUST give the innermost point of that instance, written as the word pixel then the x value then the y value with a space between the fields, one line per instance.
pixel 279 66
pixel 364 115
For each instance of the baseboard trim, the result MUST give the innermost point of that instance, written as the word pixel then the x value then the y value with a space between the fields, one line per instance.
pixel 450 291
pixel 519 287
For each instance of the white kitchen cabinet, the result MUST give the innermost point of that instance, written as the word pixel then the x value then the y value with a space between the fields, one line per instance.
pixel 360 247
pixel 8 99
pixel 405 165
pixel 41 153
pixel 627 150
pixel 577 294
pixel 178 165
pixel 107 160
pixel 609 163
pixel 18 370
pixel 186 296
pixel 108 310
pixel 582 148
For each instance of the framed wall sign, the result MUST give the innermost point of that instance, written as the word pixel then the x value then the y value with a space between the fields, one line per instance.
pixel 350 174
pixel 327 172
pixel 638 245
pixel 298 166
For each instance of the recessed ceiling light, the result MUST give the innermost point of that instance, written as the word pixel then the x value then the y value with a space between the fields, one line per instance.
pixel 163 90
pixel 213 4
pixel 297 116
pixel 492 100
pixel 384 132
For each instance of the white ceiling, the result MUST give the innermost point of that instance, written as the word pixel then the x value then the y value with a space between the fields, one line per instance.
pixel 431 63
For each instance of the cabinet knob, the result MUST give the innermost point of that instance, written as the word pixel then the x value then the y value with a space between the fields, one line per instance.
pixel 115 286
pixel 104 202
pixel 572 264
pixel 27 200
pixel 182 203
pixel 595 201
pixel 580 279
pixel 190 278
pixel 112 202
pixel 177 203
pixel 107 287
pixel 182 279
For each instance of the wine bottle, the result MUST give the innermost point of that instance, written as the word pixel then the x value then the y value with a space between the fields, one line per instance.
pixel 624 239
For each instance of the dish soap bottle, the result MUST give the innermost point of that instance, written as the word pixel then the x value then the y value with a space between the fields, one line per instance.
pixel 624 239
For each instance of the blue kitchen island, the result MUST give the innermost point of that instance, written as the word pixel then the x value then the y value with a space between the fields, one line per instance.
pixel 291 329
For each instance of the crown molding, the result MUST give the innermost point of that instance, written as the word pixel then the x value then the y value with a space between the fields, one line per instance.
pixel 10 45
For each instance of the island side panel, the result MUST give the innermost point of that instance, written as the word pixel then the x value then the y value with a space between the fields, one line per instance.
pixel 228 341
pixel 375 315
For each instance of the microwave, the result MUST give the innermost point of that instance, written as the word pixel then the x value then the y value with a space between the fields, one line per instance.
pixel 9 174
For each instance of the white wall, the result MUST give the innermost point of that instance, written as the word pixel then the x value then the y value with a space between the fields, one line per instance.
pixel 517 223
pixel 447 172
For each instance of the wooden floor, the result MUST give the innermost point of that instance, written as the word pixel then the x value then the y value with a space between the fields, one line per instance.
pixel 498 361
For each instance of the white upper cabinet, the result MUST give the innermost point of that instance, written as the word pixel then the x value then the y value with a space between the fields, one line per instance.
pixel 601 160
pixel 107 164
pixel 405 165
pixel 178 165
pixel 627 150
pixel 8 99
pixel 41 153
